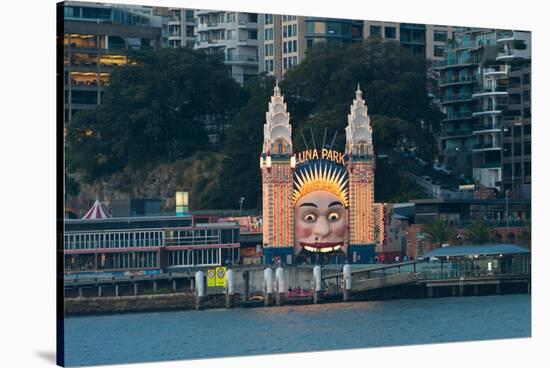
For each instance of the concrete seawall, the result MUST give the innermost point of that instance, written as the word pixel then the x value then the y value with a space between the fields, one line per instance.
pixel 140 303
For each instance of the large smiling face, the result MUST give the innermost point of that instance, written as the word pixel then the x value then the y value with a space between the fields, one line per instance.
pixel 320 224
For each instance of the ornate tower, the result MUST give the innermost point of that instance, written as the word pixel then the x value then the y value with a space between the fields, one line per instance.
pixel 361 165
pixel 277 163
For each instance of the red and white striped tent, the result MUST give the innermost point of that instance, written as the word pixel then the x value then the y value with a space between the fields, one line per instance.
pixel 96 212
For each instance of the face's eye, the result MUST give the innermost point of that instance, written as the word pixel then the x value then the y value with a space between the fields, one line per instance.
pixel 310 217
pixel 333 217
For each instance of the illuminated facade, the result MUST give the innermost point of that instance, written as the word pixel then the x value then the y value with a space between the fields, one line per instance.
pixel 96 40
pixel 277 163
pixel 361 165
pixel 320 201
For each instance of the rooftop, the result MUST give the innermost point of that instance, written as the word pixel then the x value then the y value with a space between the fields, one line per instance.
pixel 471 250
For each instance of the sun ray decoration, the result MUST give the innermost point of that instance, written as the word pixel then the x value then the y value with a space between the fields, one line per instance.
pixel 321 175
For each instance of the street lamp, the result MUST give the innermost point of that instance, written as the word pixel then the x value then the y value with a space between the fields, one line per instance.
pixel 241 200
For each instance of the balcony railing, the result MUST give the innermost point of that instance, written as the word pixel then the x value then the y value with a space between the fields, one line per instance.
pixel 479 90
pixel 460 79
pixel 496 108
pixel 505 34
pixel 457 97
pixel 241 58
pixel 458 115
pixel 456 133
pixel 478 127
pixel 466 61
pixel 494 145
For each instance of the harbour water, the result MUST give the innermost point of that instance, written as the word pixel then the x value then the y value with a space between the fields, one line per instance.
pixel 160 336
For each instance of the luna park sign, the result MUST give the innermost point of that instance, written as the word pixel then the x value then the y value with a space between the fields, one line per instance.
pixel 323 154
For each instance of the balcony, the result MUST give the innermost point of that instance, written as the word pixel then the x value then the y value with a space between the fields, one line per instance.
pixel 210 43
pixel 247 42
pixel 458 133
pixel 494 146
pixel 486 128
pixel 459 97
pixel 503 36
pixel 458 80
pixel 456 63
pixel 241 59
pixel 243 24
pixel 461 115
pixel 489 91
pixel 496 71
pixel 174 20
pixel 483 110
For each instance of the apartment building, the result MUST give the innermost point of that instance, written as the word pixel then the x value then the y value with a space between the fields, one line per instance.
pixel 514 49
pixel 422 39
pixel 234 36
pixel 286 38
pixel 96 39
pixel 181 27
pixel 459 74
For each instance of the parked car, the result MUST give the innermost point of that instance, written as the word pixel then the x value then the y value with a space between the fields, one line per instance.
pixel 437 167
pixel 427 178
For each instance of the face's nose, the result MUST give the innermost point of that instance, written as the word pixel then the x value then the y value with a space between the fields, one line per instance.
pixel 322 228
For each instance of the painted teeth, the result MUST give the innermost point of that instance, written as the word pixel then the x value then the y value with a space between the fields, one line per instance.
pixel 322 250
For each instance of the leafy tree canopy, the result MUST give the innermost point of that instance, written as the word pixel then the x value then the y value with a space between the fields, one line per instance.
pixel 480 233
pixel 153 111
pixel 393 80
pixel 437 232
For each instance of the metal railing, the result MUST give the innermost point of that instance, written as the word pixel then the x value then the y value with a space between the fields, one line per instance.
pixel 458 115
pixel 459 79
pixel 495 145
pixel 242 58
pixel 456 133
pixel 479 127
pixel 490 89
pixel 457 97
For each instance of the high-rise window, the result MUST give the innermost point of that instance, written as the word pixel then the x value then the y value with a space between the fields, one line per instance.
pixel 389 32
pixel 268 18
pixel 438 50
pixel 319 28
pixel 253 35
pixel 268 34
pixel 440 36
pixel 375 31
pixel 253 18
pixel 334 28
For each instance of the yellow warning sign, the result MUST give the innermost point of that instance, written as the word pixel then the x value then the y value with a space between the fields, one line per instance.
pixel 211 278
pixel 220 276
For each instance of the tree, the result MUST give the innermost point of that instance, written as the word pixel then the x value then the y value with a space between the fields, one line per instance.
pixel 480 233
pixel 437 232
pixel 153 111
pixel 240 173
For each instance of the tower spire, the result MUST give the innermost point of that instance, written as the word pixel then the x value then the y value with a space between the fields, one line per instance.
pixel 276 90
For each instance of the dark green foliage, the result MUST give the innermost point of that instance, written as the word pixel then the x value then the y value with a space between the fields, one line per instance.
pixel 153 112
pixel 391 187
pixel 240 175
pixel 480 233
pixel 320 90
pixel 437 232
pixel 71 186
